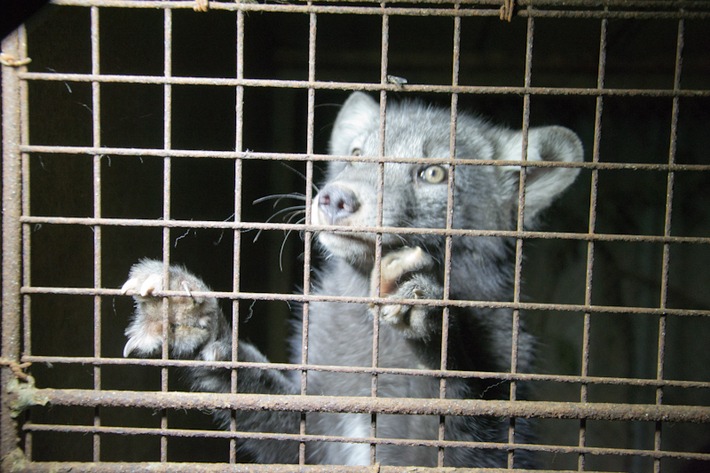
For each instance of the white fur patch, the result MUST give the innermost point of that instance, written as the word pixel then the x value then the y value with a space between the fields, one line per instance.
pixel 356 426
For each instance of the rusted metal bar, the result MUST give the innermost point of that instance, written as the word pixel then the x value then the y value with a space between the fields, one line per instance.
pixel 619 310
pixel 97 230
pixel 13 49
pixel 364 86
pixel 259 156
pixel 196 433
pixel 593 10
pixel 567 4
pixel 112 467
pixel 379 405
pixel 525 234
pixel 238 175
pixel 527 377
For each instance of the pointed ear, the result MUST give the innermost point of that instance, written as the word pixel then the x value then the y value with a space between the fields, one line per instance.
pixel 544 184
pixel 359 113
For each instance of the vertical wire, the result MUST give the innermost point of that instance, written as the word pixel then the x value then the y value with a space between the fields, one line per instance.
pixel 515 335
pixel 310 135
pixel 13 107
pixel 456 49
pixel 167 186
pixel 381 153
pixel 26 204
pixel 662 319
pixel 26 229
pixel 236 250
pixel 593 196
pixel 96 119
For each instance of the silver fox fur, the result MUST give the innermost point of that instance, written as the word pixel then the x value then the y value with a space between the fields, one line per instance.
pixel 412 267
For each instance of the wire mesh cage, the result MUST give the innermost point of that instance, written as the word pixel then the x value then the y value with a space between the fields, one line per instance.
pixel 204 135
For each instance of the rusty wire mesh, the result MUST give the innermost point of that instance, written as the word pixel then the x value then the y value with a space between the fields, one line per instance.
pixel 90 392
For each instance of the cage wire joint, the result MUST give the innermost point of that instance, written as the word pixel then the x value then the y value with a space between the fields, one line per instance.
pixel 507 10
pixel 11 61
pixel 21 389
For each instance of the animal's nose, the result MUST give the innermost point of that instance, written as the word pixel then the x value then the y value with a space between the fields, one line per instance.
pixel 337 203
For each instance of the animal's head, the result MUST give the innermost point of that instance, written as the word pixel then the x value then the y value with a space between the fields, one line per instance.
pixel 415 188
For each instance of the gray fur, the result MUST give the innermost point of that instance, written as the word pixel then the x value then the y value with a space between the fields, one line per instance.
pixel 415 195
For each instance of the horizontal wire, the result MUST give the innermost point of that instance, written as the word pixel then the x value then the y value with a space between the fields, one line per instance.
pixel 676 10
pixel 248 226
pixel 155 467
pixel 362 86
pixel 301 298
pixel 191 433
pixel 298 367
pixel 300 157
pixel 376 405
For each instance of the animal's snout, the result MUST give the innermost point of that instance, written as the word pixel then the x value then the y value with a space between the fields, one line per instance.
pixel 336 203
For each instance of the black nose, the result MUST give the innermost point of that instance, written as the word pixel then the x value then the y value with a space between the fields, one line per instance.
pixel 337 203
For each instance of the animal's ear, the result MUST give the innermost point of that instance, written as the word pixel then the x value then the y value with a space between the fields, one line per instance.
pixel 544 184
pixel 359 113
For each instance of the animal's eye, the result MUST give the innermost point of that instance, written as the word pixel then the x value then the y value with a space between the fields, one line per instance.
pixel 433 174
pixel 356 152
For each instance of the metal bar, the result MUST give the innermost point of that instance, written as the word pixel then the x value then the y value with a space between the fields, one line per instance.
pixel 445 319
pixel 14 45
pixel 310 135
pixel 364 86
pixel 593 194
pixel 619 310
pixel 520 225
pixel 680 11
pixel 187 433
pixel 567 4
pixel 526 377
pixel 379 208
pixel 268 156
pixel 236 248
pixel 662 319
pixel 379 405
pixel 26 240
pixel 120 222
pixel 249 468
pixel 97 230
pixel 167 192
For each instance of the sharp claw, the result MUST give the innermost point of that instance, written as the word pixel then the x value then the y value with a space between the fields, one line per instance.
pixel 187 289
pixel 140 342
pixel 153 283
pixel 128 349
pixel 129 285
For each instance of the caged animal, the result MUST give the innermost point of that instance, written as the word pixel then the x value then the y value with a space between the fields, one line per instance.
pixel 412 267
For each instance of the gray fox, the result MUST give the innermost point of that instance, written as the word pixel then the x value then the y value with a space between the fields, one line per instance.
pixel 412 266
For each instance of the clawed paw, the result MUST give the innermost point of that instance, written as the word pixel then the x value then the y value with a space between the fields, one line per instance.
pixel 394 266
pixel 189 319
pixel 406 274
pixel 145 287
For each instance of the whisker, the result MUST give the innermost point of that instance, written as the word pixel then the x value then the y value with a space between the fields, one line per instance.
pixel 279 197
pixel 287 210
pixel 290 213
pixel 283 244
pixel 301 175
pixel 295 214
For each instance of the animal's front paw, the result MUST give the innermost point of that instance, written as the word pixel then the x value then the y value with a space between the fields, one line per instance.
pixel 190 319
pixel 407 274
